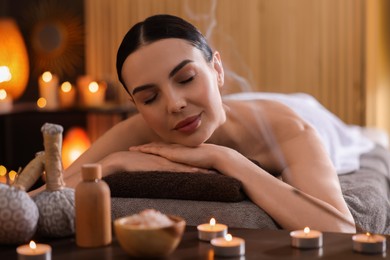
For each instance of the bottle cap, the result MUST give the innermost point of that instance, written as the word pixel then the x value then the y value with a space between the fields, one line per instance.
pixel 91 171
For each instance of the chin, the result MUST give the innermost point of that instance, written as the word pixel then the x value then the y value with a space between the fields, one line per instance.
pixel 191 140
pixel 190 143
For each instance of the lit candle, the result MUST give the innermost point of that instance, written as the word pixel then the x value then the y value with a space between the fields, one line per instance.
pixel 369 243
pixel 11 176
pixel 211 230
pixel 94 95
pixel 228 246
pixel 67 94
pixel 5 101
pixel 34 251
pixel 48 89
pixel 3 175
pixel 306 238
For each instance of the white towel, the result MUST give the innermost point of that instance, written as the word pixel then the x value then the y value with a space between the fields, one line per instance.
pixel 344 143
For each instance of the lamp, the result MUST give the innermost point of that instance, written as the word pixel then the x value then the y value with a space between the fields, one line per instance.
pixel 76 142
pixel 14 58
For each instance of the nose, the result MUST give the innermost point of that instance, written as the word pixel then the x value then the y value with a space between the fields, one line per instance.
pixel 175 102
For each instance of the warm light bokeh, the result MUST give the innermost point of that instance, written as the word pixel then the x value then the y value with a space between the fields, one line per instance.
pixel 12 175
pixel 66 87
pixel 3 94
pixel 41 102
pixel 47 76
pixel 5 74
pixel 14 56
pixel 76 141
pixel 3 170
pixel 93 87
pixel 3 174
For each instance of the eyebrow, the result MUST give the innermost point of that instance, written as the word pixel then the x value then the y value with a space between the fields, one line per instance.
pixel 143 87
pixel 171 74
pixel 179 67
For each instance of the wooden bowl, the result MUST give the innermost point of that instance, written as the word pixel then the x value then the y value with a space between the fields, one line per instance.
pixel 149 242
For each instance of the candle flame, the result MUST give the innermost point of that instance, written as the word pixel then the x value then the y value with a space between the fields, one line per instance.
pixel 369 236
pixel 228 237
pixel 306 230
pixel 3 170
pixel 212 222
pixel 32 245
pixel 12 175
pixel 66 87
pixel 47 76
pixel 93 87
pixel 3 94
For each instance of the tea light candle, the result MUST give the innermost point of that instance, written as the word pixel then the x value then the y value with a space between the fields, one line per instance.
pixel 67 94
pixel 5 101
pixel 306 238
pixel 34 251
pixel 228 246
pixel 369 243
pixel 48 89
pixel 211 230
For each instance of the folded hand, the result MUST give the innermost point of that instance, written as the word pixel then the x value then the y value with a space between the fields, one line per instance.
pixel 134 160
pixel 202 156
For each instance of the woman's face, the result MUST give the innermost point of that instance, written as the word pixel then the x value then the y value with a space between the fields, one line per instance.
pixel 176 90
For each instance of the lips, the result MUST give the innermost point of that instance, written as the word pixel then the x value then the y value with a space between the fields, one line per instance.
pixel 189 124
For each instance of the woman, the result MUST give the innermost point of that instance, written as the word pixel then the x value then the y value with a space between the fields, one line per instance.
pixel 183 124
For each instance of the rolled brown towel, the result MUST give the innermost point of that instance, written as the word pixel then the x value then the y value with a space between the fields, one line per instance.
pixel 176 185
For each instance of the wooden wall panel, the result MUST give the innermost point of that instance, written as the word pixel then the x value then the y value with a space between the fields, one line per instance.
pixel 283 46
pixel 378 63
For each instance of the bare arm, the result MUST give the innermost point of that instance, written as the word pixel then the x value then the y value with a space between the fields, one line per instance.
pixel 131 131
pixel 111 150
pixel 307 169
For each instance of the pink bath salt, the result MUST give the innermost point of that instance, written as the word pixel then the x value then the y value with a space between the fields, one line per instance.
pixel 149 218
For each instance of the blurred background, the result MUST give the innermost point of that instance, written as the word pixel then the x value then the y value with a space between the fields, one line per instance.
pixel 335 50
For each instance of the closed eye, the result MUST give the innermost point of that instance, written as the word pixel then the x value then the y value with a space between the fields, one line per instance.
pixel 150 99
pixel 187 80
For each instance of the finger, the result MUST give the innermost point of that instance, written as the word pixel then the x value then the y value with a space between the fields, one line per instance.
pixel 149 148
pixel 139 148
pixel 133 148
pixel 146 146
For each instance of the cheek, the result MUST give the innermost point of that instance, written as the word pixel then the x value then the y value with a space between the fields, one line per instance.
pixel 209 93
pixel 154 119
pixel 206 85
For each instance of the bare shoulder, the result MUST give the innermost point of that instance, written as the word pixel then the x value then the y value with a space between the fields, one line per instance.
pixel 277 117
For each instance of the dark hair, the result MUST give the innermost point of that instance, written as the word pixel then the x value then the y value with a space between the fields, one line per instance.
pixel 156 28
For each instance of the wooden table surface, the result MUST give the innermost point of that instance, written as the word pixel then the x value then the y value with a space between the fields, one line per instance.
pixel 259 244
